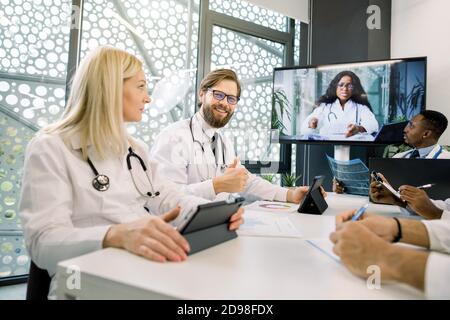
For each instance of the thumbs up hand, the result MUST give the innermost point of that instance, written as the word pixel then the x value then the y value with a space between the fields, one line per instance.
pixel 233 180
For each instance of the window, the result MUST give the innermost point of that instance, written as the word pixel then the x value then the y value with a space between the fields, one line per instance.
pixel 34 38
pixel 162 34
pixel 252 41
pixel 251 13
pixel 253 59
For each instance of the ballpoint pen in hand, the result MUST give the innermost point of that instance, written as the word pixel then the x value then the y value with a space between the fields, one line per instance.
pixel 360 212
pixel 426 186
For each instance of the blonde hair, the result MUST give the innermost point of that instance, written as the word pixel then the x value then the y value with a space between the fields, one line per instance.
pixel 95 106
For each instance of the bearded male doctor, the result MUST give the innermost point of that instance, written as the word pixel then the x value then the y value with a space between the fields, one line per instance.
pixel 197 156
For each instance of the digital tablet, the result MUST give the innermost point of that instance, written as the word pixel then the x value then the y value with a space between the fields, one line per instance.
pixel 313 202
pixel 211 214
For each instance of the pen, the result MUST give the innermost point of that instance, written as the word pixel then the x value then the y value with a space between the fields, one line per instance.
pixel 360 212
pixel 426 186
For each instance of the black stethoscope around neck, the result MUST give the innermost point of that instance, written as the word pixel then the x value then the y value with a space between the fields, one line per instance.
pixel 201 144
pixel 223 166
pixel 101 181
pixel 331 113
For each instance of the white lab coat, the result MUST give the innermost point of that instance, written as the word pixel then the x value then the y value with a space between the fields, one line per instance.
pixel 437 153
pixel 332 120
pixel 443 205
pixel 63 216
pixel 437 272
pixel 185 164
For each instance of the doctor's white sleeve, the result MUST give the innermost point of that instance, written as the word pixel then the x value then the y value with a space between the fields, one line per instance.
pixel 437 272
pixel 317 113
pixel 437 276
pixel 45 209
pixel 171 196
pixel 265 190
pixel 368 120
pixel 445 206
pixel 439 234
pixel 172 153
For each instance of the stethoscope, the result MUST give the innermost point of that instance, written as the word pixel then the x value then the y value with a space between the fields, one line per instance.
pixel 331 113
pixel 434 157
pixel 101 181
pixel 223 166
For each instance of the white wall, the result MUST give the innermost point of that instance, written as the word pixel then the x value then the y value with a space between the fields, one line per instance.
pixel 422 28
pixel 297 9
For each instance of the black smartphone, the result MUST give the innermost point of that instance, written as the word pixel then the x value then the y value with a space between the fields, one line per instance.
pixel 376 177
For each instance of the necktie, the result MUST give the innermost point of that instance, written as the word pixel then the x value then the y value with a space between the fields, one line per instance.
pixel 213 144
pixel 415 154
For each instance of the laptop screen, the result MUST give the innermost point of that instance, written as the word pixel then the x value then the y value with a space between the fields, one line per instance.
pixel 391 133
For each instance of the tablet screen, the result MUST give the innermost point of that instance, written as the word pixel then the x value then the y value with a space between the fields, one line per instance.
pixel 211 214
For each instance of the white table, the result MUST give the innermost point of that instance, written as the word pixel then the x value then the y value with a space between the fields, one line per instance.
pixel 243 268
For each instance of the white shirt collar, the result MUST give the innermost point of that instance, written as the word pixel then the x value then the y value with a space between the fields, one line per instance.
pixel 206 128
pixel 424 152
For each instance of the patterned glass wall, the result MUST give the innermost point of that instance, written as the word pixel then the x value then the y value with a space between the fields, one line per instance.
pixel 13 139
pixel 34 38
pixel 297 44
pixel 164 35
pixel 14 260
pixel 250 12
pixel 253 59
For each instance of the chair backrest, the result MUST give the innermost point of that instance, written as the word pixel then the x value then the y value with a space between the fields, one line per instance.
pixel 38 283
pixel 393 149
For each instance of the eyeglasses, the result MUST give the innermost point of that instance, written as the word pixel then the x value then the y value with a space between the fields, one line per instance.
pixel 349 86
pixel 219 95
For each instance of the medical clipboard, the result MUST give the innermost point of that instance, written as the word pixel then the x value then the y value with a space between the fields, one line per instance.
pixel 208 226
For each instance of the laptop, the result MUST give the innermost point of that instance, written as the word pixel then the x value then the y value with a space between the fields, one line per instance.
pixel 416 172
pixel 391 133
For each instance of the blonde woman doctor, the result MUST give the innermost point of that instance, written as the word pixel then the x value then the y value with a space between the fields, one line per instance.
pixel 88 185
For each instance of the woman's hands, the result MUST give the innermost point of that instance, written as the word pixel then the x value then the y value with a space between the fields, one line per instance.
pixel 151 237
pixel 353 129
pixel 312 123
pixel 236 219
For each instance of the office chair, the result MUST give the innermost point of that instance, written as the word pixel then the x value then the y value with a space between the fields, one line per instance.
pixel 38 283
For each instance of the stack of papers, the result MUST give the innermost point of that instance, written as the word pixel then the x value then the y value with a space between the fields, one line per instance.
pixel 272 206
pixel 264 224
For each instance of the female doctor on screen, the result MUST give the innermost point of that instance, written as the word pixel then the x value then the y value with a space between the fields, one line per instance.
pixel 343 110
pixel 88 185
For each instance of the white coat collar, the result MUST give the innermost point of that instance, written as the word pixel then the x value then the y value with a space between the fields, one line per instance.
pixel 349 104
pixel 75 141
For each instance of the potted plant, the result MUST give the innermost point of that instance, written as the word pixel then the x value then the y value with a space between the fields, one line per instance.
pixel 268 177
pixel 289 180
pixel 280 106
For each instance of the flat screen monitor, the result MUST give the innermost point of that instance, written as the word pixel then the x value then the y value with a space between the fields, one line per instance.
pixel 360 102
